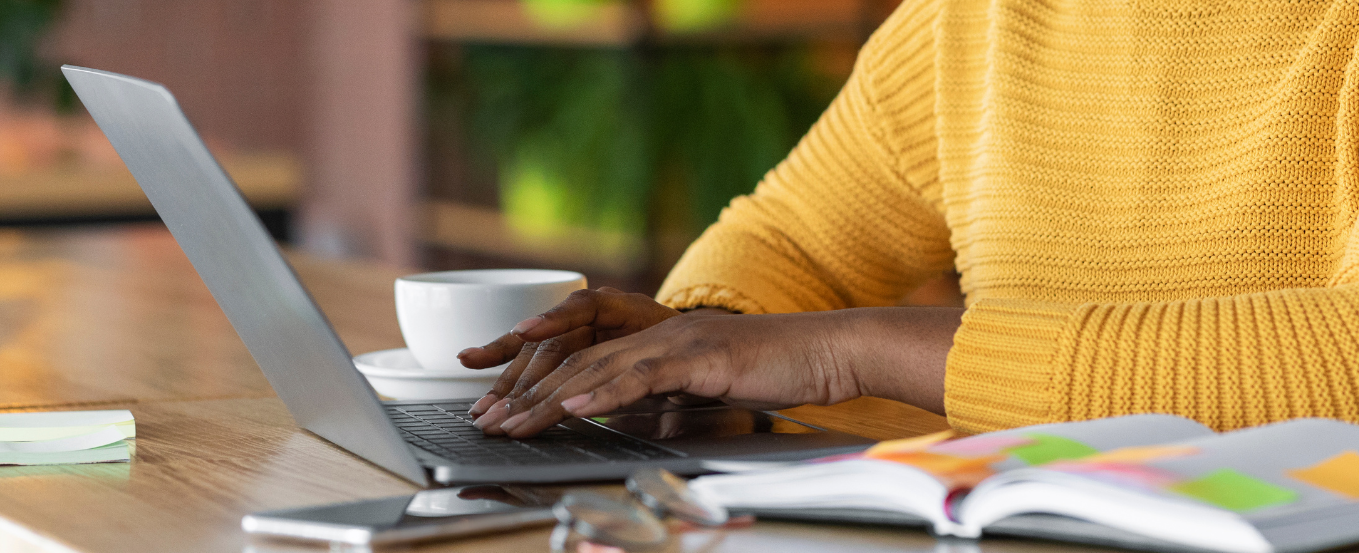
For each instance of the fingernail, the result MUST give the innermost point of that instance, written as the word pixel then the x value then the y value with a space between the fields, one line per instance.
pixel 514 421
pixel 526 325
pixel 468 351
pixel 494 415
pixel 483 404
pixel 573 403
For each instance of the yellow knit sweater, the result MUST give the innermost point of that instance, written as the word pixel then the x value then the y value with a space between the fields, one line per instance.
pixel 1151 203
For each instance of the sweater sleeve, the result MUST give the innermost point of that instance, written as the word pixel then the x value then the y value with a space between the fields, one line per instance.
pixel 853 216
pixel 1228 362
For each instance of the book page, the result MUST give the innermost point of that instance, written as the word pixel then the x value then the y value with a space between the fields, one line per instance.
pixel 915 476
pixel 965 462
pixel 1297 482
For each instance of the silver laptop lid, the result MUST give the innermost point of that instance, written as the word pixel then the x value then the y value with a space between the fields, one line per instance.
pixel 289 338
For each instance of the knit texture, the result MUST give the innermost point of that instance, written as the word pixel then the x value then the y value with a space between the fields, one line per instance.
pixel 1151 204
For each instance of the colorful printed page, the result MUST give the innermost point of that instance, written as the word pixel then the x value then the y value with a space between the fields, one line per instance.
pixel 1297 482
pixel 963 463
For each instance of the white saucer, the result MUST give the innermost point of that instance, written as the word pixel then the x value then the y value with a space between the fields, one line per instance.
pixel 396 374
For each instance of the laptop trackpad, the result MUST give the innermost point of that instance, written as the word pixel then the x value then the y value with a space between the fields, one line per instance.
pixel 708 430
pixel 705 423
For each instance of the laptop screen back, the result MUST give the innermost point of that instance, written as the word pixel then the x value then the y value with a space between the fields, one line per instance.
pixel 289 338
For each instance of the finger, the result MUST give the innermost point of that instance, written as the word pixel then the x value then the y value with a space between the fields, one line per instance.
pixel 592 359
pixel 670 425
pixel 583 366
pixel 603 309
pixel 528 399
pixel 493 354
pixel 579 309
pixel 505 383
pixel 657 375
pixel 494 416
pixel 549 357
pixel 616 380
pixel 491 492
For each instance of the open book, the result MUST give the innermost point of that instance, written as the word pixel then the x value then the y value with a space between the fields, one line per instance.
pixel 1156 482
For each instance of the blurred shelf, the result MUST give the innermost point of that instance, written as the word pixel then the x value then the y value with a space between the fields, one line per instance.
pixel 624 23
pixel 268 181
pixel 506 21
pixel 487 232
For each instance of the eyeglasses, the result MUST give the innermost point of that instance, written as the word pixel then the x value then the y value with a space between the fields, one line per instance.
pixel 632 525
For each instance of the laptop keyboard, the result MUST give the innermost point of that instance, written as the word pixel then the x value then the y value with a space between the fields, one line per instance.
pixel 446 430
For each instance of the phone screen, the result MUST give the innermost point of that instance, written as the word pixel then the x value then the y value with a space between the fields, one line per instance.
pixel 404 516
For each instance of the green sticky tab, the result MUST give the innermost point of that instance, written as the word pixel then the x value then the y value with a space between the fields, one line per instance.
pixel 1046 448
pixel 1235 491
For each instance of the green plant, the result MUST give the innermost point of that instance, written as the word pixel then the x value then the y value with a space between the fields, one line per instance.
pixel 568 133
pixel 727 116
pixel 23 23
pixel 584 137
pixel 563 13
pixel 694 15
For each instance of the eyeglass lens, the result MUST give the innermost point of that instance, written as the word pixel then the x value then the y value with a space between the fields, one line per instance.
pixel 667 494
pixel 606 521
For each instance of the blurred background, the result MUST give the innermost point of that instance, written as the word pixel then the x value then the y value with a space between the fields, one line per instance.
pixel 593 135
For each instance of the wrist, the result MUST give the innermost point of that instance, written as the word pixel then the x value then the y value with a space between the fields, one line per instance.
pixel 900 353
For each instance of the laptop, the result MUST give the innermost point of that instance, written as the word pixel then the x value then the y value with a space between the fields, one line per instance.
pixel 426 442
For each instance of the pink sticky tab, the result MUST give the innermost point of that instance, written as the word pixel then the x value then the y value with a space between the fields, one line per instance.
pixel 918 443
pixel 984 444
pixel 1120 474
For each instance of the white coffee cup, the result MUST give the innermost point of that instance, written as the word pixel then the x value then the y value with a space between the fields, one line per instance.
pixel 444 313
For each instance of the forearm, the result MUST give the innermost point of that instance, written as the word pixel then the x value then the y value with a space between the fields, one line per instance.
pixel 899 353
pixel 791 359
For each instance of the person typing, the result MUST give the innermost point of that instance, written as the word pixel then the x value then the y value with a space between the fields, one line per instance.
pixel 1151 204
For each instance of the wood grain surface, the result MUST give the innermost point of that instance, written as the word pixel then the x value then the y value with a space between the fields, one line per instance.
pixel 200 465
pixel 268 181
pixel 119 315
pixel 116 318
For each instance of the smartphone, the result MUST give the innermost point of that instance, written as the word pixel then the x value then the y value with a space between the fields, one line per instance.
pixel 427 515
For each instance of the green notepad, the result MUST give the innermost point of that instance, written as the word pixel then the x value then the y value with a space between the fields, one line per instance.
pixel 52 425
pixel 66 437
pixel 113 453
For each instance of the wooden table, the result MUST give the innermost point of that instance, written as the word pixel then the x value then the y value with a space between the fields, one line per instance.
pixel 268 181
pixel 116 318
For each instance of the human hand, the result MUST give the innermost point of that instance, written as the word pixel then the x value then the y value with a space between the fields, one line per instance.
pixel 755 361
pixel 538 345
pixel 759 361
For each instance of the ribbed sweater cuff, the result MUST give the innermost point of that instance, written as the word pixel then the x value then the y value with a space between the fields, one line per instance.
pixel 1001 370
pixel 712 295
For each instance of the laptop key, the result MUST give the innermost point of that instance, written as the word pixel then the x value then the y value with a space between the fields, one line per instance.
pixel 445 429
